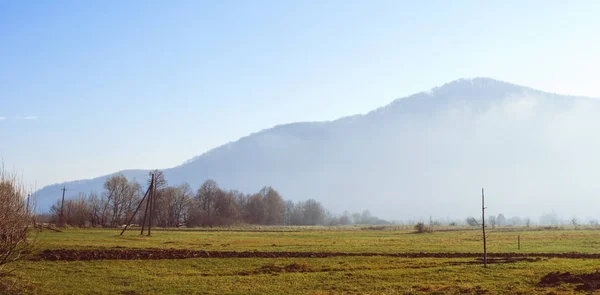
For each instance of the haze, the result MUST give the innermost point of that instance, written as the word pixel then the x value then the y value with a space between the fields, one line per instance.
pixel 89 89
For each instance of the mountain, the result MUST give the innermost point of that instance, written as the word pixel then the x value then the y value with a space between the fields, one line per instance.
pixel 428 154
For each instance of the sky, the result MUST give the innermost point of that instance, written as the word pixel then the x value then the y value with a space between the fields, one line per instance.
pixel 89 88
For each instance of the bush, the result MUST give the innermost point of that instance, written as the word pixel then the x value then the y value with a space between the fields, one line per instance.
pixel 421 228
pixel 15 219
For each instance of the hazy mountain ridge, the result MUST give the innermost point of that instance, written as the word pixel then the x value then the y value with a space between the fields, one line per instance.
pixel 400 159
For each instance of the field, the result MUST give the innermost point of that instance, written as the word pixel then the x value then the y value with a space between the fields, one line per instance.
pixel 346 260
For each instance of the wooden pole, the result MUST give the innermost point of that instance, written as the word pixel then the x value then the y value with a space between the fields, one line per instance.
pixel 145 213
pixel 147 205
pixel 483 228
pixel 519 240
pixel 151 201
pixel 62 205
pixel 135 212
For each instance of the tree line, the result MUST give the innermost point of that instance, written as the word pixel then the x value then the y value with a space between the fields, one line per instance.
pixel 207 206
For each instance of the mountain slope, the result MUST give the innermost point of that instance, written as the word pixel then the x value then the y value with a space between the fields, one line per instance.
pixel 426 154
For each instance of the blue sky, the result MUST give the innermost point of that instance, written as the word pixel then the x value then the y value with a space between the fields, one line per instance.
pixel 93 87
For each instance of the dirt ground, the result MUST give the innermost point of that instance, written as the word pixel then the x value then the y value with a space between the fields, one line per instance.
pixel 154 254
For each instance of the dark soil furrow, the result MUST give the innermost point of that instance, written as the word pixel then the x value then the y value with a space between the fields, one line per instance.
pixel 154 254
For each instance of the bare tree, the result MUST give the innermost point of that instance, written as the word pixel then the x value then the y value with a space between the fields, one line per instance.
pixel 164 210
pixel 314 213
pixel 471 221
pixel 98 212
pixel 15 219
pixel 527 221
pixel 181 202
pixel 159 179
pixel 255 210
pixel 492 220
pixel 575 222
pixel 122 197
pixel 76 212
pixel 226 209
pixel 501 220
pixel 274 205
pixel 206 197
pixel 345 219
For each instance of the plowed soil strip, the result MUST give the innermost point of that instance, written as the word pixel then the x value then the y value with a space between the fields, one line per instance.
pixel 155 254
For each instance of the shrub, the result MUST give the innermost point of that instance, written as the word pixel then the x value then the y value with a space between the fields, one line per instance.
pixel 15 219
pixel 421 228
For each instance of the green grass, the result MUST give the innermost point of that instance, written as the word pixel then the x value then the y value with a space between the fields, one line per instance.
pixel 353 240
pixel 357 275
pixel 335 275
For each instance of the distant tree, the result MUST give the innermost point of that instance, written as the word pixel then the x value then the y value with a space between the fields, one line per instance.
pixel 166 206
pixel 294 213
pixel 575 222
pixel 121 196
pixel 181 202
pixel 77 211
pixel 98 210
pixel 274 204
pixel 226 209
pixel 256 210
pixel 471 221
pixel 492 220
pixel 515 220
pixel 549 219
pixel 313 212
pixel 501 220
pixel 193 214
pixel 527 221
pixel 289 210
pixel 206 199
pixel 159 179
pixel 366 217
pixel 346 218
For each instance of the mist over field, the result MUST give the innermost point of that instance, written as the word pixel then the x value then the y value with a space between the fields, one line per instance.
pixel 425 155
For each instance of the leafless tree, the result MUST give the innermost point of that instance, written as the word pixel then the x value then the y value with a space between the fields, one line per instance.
pixel 226 209
pixel 492 220
pixel 15 219
pixel 209 206
pixel 471 221
pixel 274 204
pixel 314 212
pixel 121 196
pixel 159 179
pixel 97 210
pixel 206 198
pixel 256 210
pixel 181 202
pixel 76 212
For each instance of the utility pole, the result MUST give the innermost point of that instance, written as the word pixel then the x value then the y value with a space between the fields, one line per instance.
pixel 151 201
pixel 483 228
pixel 62 205
pixel 147 208
pixel 135 212
pixel 27 207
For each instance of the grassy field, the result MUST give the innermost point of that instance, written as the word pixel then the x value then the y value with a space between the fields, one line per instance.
pixel 333 275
